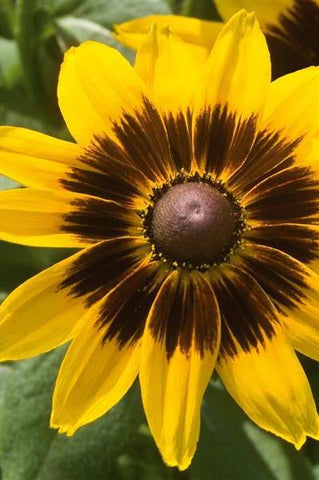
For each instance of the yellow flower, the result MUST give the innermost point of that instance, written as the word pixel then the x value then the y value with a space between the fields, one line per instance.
pixel 193 195
pixel 291 28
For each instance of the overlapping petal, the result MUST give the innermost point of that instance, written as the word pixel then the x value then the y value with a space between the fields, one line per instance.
pixel 44 312
pixel 102 362
pixel 200 35
pixel 255 356
pixel 162 52
pixel 94 376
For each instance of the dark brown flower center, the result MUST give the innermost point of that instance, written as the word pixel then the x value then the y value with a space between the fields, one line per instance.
pixel 193 222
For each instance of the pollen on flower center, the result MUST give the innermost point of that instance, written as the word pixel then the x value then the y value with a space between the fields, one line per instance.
pixel 193 222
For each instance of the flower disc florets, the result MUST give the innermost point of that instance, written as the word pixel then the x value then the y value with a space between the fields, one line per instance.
pixel 193 222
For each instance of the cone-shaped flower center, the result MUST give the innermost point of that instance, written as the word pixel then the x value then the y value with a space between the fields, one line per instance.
pixel 193 222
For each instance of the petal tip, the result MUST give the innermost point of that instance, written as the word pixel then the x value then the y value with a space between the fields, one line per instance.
pixel 172 459
pixel 67 429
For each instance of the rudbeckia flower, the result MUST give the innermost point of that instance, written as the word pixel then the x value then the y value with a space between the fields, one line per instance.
pixel 291 28
pixel 192 194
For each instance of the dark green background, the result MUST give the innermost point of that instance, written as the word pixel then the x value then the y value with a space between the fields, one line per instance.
pixel 33 37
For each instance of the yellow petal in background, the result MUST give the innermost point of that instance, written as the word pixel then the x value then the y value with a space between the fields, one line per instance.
pixel 266 11
pixel 169 70
pixel 199 35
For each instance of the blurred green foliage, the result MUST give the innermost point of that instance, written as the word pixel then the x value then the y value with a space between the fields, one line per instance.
pixel 34 35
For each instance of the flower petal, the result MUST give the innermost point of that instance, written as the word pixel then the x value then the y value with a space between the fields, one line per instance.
pixel 278 402
pixel 94 376
pixel 293 103
pixel 47 218
pixel 289 195
pixel 293 287
pixel 300 241
pixel 200 35
pixel 43 312
pixel 266 12
pixel 164 62
pixel 255 357
pixel 177 360
pixel 96 86
pixel 238 69
pixel 36 317
pixel 102 361
pixel 35 159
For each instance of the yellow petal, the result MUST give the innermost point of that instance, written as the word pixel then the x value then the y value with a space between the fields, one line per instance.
pixel 35 159
pixel 97 85
pixel 303 329
pixel 296 186
pixel 270 385
pixel 237 72
pixel 94 376
pixel 266 11
pixel 293 103
pixel 257 363
pixel 102 361
pixel 191 30
pixel 200 35
pixel 301 320
pixel 300 240
pixel 294 288
pixel 43 312
pixel 47 218
pixel 175 368
pixel 169 70
pixel 36 317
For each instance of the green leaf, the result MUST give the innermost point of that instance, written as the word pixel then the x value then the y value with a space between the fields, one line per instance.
pixel 73 31
pixel 10 71
pixel 5 371
pixel 233 448
pixel 113 11
pixel 316 472
pixel 118 446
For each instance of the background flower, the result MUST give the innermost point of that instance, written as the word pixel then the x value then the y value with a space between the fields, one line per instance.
pixel 291 28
